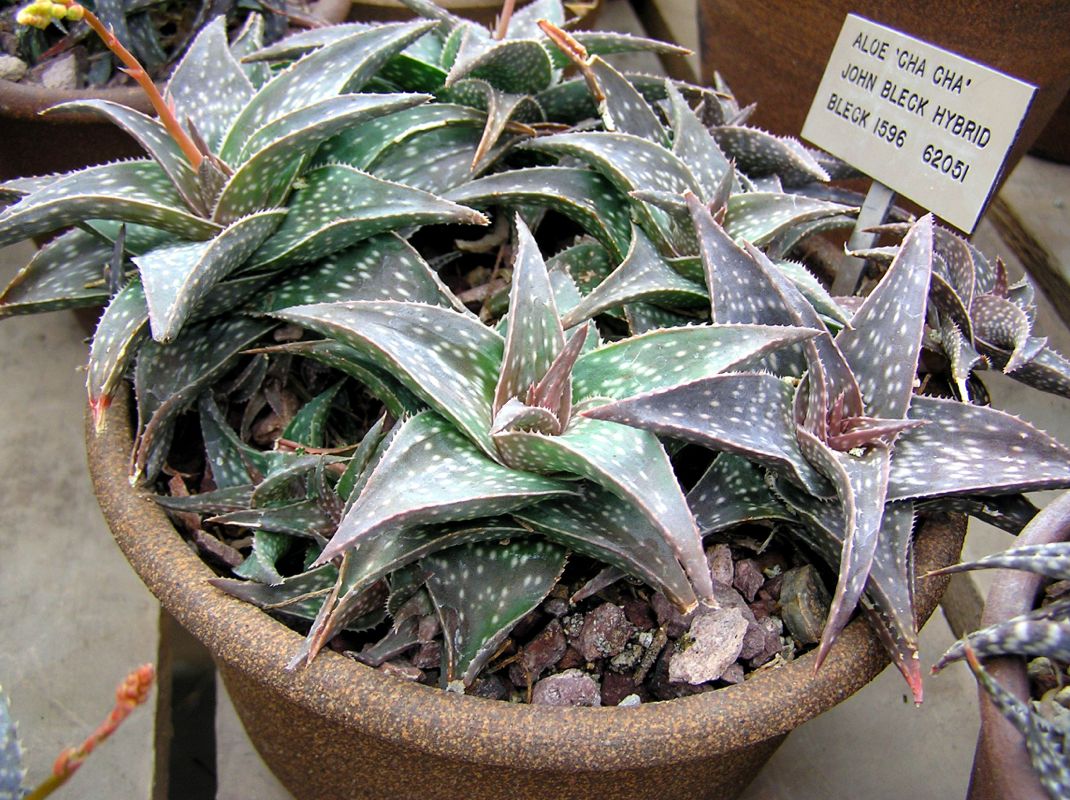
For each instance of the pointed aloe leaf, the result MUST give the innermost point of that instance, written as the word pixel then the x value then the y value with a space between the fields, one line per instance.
pixel 861 484
pixel 966 449
pixel 233 462
pixel 130 191
pixel 309 425
pixel 118 334
pixel 889 598
pixel 630 463
pixel 884 340
pixel 581 195
pixel 153 137
pixel 1000 323
pixel 361 458
pixel 646 317
pixel 463 484
pixel 605 43
pixel 673 356
pixel 1047 371
pixel 248 41
pixel 1017 637
pixel 587 263
pixel 340 206
pixel 501 107
pixel 300 595
pixel 216 501
pixel 274 154
pixel 815 293
pixel 291 479
pixel 168 379
pixel 301 43
pixel 304 518
pixel 379 382
pixel 732 491
pixel 449 360
pixel 361 146
pixel 750 415
pixel 600 525
pixel 208 86
pixel 178 277
pixel 517 66
pixel 524 23
pixel 695 147
pixel 381 268
pixel 342 66
pixel 12 772
pixel 642 276
pixel 262 563
pixel 435 160
pixel 758 153
pixel 515 415
pixel 1050 560
pixel 759 217
pixel 478 613
pixel 66 273
pixel 630 162
pixel 534 335
pixel 623 109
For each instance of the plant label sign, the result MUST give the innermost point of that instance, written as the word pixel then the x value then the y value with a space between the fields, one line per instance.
pixel 930 124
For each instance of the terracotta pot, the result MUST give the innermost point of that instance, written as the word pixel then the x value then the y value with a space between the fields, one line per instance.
pixel 338 729
pixel 1001 767
pixel 775 55
pixel 37 145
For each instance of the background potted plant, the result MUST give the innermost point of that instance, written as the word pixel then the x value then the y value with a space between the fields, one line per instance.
pixel 280 205
pixel 1021 747
pixel 157 33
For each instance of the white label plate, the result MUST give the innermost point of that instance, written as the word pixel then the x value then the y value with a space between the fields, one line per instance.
pixel 932 125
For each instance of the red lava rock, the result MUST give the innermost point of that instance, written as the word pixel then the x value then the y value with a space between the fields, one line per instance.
pixel 571 659
pixel 719 557
pixel 664 689
pixel 748 578
pixel 773 627
pixel 670 617
pixel 772 587
pixel 428 656
pixel 716 636
pixel 428 628
pixel 572 625
pixel 640 614
pixel 492 687
pixel 569 688
pixel 763 606
pixel 615 687
pixel 605 632
pixel 753 641
pixel 544 650
pixel 734 673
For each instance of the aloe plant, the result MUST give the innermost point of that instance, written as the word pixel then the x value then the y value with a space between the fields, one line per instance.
pixel 268 241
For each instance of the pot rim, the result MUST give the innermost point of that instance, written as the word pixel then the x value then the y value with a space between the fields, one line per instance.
pixel 521 736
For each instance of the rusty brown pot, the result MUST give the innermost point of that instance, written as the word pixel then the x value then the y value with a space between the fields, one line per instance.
pixel 774 54
pixel 1001 767
pixel 32 144
pixel 338 729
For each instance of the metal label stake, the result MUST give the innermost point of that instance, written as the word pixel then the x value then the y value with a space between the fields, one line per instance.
pixel 875 209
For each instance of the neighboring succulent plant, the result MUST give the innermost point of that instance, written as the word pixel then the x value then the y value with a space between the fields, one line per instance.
pixel 137 25
pixel 1043 632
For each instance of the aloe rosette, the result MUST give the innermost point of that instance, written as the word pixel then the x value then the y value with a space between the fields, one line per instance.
pixel 504 436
